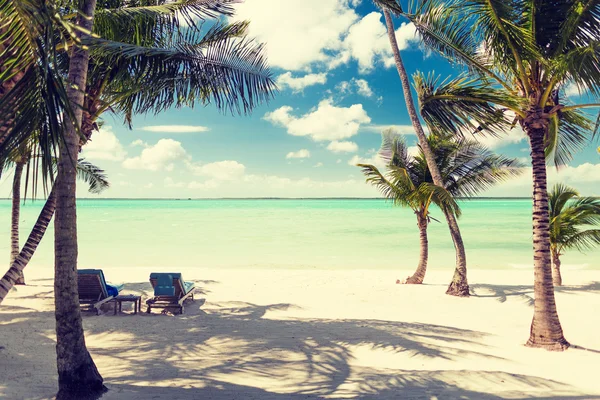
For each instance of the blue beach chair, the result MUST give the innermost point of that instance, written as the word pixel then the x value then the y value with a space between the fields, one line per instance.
pixel 170 291
pixel 93 289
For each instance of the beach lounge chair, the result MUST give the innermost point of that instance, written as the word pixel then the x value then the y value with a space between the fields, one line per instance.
pixel 170 291
pixel 93 289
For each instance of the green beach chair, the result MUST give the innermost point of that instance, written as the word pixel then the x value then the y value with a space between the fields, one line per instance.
pixel 170 291
pixel 93 289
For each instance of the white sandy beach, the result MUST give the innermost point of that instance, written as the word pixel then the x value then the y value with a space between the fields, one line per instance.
pixel 310 334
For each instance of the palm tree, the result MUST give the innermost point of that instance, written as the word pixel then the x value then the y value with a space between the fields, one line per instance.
pixel 572 222
pixel 231 72
pixel 15 214
pixel 459 286
pixel 87 172
pixel 466 166
pixel 518 57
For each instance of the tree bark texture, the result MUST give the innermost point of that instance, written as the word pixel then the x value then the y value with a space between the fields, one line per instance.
pixel 77 373
pixel 419 275
pixel 34 239
pixel 546 331
pixel 556 276
pixel 15 216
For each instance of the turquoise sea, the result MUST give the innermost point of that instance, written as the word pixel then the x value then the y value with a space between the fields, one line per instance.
pixel 325 234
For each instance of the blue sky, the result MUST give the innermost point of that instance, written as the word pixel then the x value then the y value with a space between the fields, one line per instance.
pixel 338 90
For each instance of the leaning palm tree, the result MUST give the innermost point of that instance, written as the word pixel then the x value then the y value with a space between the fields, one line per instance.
pixel 459 286
pixel 573 222
pixel 467 168
pixel 229 70
pixel 518 55
pixel 86 171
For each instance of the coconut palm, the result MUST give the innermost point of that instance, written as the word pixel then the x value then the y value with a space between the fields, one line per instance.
pixel 572 224
pixel 19 258
pixel 459 286
pixel 219 67
pixel 518 56
pixel 466 166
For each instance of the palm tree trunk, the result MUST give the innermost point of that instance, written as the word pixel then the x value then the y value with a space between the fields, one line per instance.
pixel 14 225
pixel 419 275
pixel 556 277
pixel 546 331
pixel 34 239
pixel 459 285
pixel 77 373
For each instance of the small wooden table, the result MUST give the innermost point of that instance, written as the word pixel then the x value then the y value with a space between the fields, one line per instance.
pixel 136 300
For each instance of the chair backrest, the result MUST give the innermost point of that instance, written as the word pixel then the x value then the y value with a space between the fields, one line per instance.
pixel 164 285
pixel 91 284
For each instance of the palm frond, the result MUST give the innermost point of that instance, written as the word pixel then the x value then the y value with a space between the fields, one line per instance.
pixel 94 176
pixel 151 19
pixel 569 132
pixel 463 104
pixel 230 72
pixel 441 26
pixel 36 99
pixel 573 219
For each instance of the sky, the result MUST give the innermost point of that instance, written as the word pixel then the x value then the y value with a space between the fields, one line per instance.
pixel 338 89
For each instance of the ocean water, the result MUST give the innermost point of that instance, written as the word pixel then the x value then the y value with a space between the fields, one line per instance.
pixel 324 234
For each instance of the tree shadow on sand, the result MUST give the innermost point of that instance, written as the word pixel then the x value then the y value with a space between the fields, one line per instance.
pixel 233 350
pixel 525 292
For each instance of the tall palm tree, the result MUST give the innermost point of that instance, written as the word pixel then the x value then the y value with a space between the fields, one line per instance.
pixel 459 286
pixel 518 57
pixel 231 73
pixel 87 172
pixel 572 224
pixel 466 166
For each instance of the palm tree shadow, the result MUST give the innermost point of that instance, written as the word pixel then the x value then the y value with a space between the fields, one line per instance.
pixel 235 350
pixel 525 292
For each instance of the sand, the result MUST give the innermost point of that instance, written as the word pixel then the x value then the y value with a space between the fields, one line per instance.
pixel 310 334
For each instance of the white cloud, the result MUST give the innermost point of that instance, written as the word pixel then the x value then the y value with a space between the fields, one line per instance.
pixel 318 165
pixel 170 183
pixel 572 90
pixel 298 154
pixel 227 170
pixel 363 88
pixel 413 151
pixel 325 123
pixel 584 177
pixel 373 160
pixel 138 142
pixel 368 44
pixel 160 156
pixel 175 128
pixel 515 135
pixel 298 36
pixel 400 129
pixel 210 184
pixel 298 84
pixel 343 147
pixel 104 145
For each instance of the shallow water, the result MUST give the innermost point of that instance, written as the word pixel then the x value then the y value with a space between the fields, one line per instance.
pixel 332 234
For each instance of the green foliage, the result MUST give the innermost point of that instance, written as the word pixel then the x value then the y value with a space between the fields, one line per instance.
pixel 573 219
pixel 518 55
pixel 146 56
pixel 466 166
pixel 33 97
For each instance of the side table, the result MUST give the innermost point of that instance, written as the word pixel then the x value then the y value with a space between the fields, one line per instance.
pixel 136 300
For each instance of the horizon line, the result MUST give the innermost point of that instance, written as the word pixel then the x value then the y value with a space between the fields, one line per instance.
pixel 272 198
